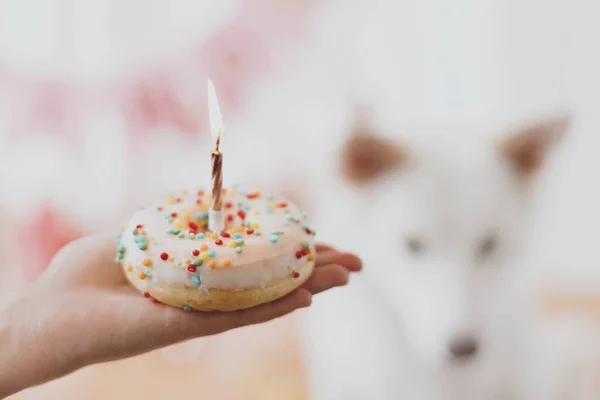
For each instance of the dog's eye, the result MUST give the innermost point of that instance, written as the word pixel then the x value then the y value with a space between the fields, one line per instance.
pixel 415 246
pixel 488 245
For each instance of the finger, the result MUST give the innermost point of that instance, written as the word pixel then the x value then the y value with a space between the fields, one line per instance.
pixel 222 321
pixel 89 260
pixel 327 277
pixel 323 247
pixel 349 261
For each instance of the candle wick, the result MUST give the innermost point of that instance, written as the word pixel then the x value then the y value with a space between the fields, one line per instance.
pixel 218 140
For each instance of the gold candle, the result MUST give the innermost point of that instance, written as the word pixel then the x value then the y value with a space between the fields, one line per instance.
pixel 217 176
pixel 216 222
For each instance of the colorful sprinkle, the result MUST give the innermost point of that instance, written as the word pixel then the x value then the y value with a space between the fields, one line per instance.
pixel 201 216
pixel 241 214
pixel 143 246
pixel 237 236
pixel 204 247
pixel 218 242
pixel 295 275
pixel 191 268
pixel 204 256
pixel 147 262
pixel 187 308
pixel 226 262
pixel 212 264
pixel 140 239
pixel 238 250
pixel 142 276
pixel 232 244
pixel 299 254
pixel 200 236
pixel 197 262
pixel 230 218
pixel 305 245
pixel 181 235
pixel 147 295
pixel 164 256
pixel 225 234
pixel 212 253
pixel 196 280
pixel 196 253
pixel 148 273
pixel 239 242
pixel 250 231
pixel 274 239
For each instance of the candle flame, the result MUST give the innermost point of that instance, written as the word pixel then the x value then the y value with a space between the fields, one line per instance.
pixel 214 113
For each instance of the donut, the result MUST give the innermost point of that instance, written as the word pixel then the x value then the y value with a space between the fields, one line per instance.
pixel 265 251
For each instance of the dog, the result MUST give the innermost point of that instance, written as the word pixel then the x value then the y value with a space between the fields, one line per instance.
pixel 441 220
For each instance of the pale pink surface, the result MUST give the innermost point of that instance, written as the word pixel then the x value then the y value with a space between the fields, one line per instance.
pixel 233 57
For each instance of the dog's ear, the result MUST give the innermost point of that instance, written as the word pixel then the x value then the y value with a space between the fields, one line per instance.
pixel 366 155
pixel 527 148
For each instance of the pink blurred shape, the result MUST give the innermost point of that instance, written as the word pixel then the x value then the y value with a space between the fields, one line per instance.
pixel 154 102
pixel 47 107
pixel 41 236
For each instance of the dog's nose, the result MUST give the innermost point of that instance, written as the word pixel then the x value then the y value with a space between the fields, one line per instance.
pixel 462 348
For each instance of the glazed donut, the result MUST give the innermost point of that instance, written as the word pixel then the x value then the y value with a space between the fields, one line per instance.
pixel 265 251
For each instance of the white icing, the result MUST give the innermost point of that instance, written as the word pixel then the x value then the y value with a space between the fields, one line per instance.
pixel 259 262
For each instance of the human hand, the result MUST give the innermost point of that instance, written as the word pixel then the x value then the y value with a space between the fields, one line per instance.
pixel 83 311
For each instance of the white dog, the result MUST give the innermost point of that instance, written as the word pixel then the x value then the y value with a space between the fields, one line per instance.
pixel 439 220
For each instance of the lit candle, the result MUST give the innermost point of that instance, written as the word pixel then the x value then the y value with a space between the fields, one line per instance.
pixel 216 221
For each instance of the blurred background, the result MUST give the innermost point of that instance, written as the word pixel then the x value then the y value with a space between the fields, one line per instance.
pixel 103 107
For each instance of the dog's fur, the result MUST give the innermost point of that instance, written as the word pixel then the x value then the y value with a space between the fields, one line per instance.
pixel 439 219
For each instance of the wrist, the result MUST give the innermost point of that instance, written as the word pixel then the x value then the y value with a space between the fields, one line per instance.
pixel 19 365
pixel 8 384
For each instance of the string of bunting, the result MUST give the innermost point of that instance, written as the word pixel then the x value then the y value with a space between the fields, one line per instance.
pixel 161 97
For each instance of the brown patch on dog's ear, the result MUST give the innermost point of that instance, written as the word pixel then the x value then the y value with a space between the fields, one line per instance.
pixel 528 147
pixel 366 155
